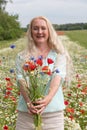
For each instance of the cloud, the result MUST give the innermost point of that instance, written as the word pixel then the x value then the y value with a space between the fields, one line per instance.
pixel 58 11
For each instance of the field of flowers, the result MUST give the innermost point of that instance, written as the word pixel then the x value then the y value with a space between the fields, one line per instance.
pixel 75 95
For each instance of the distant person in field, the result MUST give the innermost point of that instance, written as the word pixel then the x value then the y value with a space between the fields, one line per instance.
pixel 43 40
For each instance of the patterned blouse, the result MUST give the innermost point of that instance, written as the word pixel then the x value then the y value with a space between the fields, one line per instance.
pixel 57 102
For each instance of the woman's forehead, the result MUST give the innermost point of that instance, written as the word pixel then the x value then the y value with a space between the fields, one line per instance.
pixel 39 22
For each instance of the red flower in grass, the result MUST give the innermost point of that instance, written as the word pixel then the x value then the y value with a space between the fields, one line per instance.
pixel 9 84
pixel 81 104
pixel 71 117
pixel 8 93
pixel 70 110
pixel 5 127
pixel 13 98
pixel 7 79
pixel 84 91
pixel 79 85
pixel 82 111
pixel 9 88
pixel 6 96
pixel 69 94
pixel 66 102
pixel 50 61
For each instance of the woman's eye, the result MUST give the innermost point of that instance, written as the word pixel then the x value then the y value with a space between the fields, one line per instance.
pixel 35 28
pixel 43 28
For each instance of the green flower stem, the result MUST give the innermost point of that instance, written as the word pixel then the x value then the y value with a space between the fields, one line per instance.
pixel 37 122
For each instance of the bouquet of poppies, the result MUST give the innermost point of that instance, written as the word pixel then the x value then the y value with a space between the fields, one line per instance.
pixel 39 76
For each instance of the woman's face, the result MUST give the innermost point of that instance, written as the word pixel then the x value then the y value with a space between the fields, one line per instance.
pixel 39 31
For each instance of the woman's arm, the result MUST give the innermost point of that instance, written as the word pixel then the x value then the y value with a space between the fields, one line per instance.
pixel 24 93
pixel 23 89
pixel 54 85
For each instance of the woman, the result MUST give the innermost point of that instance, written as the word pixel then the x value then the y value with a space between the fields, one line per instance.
pixel 43 40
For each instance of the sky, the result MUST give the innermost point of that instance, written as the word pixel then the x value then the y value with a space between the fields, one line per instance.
pixel 57 11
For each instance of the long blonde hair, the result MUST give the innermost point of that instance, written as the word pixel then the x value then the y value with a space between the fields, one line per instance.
pixel 53 42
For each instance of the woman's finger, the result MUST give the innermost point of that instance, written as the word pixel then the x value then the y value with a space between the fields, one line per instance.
pixel 41 110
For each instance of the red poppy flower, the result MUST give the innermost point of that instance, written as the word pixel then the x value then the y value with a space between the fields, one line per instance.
pixel 79 85
pixel 9 84
pixel 32 66
pixel 81 104
pixel 70 110
pixel 39 62
pixel 7 79
pixel 69 94
pixel 46 70
pixel 5 127
pixel 82 111
pixel 6 96
pixel 8 88
pixel 8 93
pixel 50 61
pixel 66 102
pixel 71 117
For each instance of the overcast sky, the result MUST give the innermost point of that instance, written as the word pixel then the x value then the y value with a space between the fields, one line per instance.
pixel 57 11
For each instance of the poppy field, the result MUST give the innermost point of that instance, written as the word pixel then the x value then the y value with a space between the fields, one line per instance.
pixel 75 95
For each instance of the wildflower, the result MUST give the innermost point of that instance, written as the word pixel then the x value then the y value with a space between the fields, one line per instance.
pixel 69 94
pixel 5 127
pixel 71 117
pixel 39 62
pixel 81 104
pixel 50 61
pixel 9 84
pixel 7 79
pixel 79 85
pixel 82 111
pixel 12 46
pixel 70 110
pixel 46 70
pixel 57 71
pixel 12 71
pixel 8 88
pixel 66 102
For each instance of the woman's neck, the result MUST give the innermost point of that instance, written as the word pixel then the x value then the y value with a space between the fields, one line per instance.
pixel 43 50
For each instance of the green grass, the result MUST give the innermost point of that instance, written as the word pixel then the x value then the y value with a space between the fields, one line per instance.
pixel 80 36
pixel 6 43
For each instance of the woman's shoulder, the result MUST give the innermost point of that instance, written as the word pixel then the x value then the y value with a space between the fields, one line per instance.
pixel 54 54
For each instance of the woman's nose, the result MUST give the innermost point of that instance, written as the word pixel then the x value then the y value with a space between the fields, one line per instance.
pixel 39 30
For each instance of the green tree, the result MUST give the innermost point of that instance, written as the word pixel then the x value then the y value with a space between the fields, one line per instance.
pixel 3 4
pixel 9 25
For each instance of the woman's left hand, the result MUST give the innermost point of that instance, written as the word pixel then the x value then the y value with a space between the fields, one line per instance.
pixel 42 103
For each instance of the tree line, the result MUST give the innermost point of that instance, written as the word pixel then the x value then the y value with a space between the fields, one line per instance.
pixel 71 26
pixel 9 25
pixel 66 27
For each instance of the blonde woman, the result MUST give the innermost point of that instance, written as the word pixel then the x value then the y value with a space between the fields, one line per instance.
pixel 43 40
